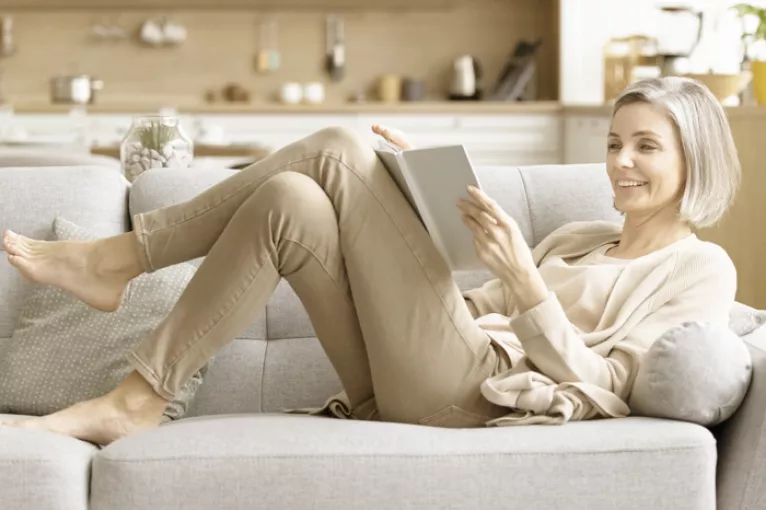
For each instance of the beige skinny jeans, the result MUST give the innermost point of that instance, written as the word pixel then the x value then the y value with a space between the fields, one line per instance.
pixel 324 214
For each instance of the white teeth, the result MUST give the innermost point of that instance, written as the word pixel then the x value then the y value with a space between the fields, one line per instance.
pixel 630 183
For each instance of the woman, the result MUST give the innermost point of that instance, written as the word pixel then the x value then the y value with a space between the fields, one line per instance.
pixel 557 336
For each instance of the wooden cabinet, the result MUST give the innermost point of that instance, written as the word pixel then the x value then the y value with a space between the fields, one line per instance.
pixel 234 4
pixel 740 232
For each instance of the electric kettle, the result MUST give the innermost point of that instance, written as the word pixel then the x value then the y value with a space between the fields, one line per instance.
pixel 466 76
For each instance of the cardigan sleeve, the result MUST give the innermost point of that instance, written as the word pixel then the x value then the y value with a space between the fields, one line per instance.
pixel 706 290
pixel 492 297
pixel 495 297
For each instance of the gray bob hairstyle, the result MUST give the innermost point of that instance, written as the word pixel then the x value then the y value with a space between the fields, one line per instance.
pixel 712 165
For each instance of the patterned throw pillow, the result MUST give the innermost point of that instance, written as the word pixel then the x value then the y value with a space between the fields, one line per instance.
pixel 63 352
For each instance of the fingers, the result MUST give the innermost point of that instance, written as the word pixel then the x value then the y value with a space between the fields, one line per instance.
pixel 394 136
pixel 493 208
pixel 479 233
pixel 382 131
pixel 480 215
pixel 482 199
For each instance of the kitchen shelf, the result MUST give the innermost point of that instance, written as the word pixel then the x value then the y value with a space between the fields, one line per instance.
pixel 362 5
pixel 431 107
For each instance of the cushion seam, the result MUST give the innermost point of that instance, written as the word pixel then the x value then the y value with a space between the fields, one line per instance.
pixel 408 456
pixel 263 374
pixel 529 207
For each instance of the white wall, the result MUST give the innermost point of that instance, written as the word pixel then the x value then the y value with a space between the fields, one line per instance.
pixel 587 25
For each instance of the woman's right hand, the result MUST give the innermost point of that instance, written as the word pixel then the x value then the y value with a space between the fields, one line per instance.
pixel 392 136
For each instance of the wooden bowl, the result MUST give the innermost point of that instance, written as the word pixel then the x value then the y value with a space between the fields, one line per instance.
pixel 724 85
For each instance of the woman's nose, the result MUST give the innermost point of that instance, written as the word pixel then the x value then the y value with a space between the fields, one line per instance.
pixel 625 159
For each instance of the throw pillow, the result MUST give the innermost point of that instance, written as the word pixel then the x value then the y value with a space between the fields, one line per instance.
pixel 62 351
pixel 697 372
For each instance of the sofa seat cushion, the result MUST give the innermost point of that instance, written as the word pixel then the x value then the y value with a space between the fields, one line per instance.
pixel 43 470
pixel 294 461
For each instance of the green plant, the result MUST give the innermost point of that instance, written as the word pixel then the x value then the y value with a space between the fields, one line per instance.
pixel 156 135
pixel 759 34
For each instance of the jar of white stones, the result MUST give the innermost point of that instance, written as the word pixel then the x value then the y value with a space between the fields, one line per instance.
pixel 155 142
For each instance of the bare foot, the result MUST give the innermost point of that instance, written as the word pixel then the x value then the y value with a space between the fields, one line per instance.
pixel 130 408
pixel 81 268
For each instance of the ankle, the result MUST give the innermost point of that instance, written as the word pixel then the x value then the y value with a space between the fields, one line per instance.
pixel 114 257
pixel 136 395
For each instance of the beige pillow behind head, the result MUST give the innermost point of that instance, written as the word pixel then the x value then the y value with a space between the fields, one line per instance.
pixel 63 352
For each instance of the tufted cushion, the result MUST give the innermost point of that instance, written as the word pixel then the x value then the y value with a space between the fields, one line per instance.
pixel 697 372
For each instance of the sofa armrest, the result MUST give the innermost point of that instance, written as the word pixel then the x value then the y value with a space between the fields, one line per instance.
pixel 742 440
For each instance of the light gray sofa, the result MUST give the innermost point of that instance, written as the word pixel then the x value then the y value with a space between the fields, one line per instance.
pixel 235 450
pixel 42 155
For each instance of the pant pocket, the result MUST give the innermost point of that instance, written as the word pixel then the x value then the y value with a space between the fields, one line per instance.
pixel 455 417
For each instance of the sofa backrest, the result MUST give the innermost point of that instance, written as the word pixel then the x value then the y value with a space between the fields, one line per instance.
pixel 278 362
pixel 30 199
pixel 57 156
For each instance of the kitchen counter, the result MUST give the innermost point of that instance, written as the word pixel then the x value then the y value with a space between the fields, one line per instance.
pixel 606 110
pixel 426 107
pixel 202 150
pixel 464 107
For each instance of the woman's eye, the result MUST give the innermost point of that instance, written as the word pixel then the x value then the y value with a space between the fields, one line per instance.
pixel 613 146
pixel 646 147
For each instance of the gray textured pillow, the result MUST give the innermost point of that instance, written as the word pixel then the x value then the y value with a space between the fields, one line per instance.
pixel 63 352
pixel 697 372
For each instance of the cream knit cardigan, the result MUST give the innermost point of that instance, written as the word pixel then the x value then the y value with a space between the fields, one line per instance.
pixel 561 372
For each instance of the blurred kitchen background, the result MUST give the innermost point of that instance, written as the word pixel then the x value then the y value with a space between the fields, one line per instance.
pixel 218 46
pixel 518 82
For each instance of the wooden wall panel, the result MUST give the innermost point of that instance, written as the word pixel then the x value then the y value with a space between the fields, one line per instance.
pixel 222 44
pixel 742 233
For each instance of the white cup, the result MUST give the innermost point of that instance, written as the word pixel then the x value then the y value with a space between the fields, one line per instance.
pixel 151 32
pixel 291 93
pixel 313 92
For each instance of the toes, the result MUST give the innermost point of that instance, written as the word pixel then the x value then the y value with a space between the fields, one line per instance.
pixel 20 241
pixel 21 249
pixel 15 245
pixel 9 242
pixel 18 262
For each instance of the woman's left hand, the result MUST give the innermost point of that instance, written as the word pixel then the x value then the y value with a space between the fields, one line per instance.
pixel 501 247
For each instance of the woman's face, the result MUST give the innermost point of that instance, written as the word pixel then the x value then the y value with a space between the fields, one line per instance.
pixel 645 160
